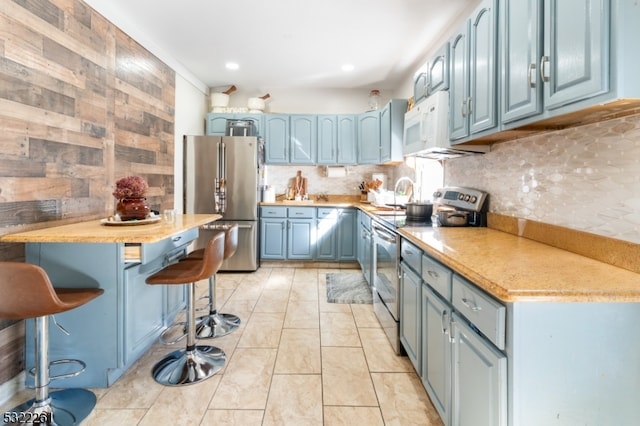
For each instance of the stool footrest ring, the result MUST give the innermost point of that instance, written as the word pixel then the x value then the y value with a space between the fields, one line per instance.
pixel 82 364
pixel 163 335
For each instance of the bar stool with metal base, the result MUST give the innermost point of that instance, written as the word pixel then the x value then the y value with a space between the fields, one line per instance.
pixel 27 292
pixel 195 362
pixel 216 324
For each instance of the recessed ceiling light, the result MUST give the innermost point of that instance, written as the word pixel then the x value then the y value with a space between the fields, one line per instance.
pixel 347 67
pixel 232 66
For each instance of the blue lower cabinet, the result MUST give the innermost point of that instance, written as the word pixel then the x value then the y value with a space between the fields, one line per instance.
pixel 300 239
pixel 410 320
pixel 307 233
pixel 326 234
pixel 142 324
pixel 273 238
pixel 336 234
pixel 347 232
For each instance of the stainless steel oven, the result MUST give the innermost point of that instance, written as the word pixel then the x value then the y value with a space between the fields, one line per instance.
pixel 386 280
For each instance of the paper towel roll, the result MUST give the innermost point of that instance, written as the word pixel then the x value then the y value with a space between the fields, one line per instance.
pixel 269 194
pixel 336 171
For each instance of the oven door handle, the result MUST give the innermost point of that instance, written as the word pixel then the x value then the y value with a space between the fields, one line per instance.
pixel 384 234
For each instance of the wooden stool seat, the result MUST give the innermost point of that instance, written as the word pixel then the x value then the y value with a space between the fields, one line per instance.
pixel 28 293
pixel 195 362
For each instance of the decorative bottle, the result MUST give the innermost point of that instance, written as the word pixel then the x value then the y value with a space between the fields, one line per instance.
pixel 374 100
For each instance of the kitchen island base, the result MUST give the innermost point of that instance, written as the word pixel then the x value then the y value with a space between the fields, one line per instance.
pixel 111 333
pixel 114 331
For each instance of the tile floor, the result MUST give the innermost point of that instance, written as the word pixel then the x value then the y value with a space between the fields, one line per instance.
pixel 296 360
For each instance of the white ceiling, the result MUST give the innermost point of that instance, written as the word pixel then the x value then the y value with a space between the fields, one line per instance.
pixel 289 44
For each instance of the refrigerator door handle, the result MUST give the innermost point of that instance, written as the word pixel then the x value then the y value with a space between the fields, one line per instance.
pixel 220 180
pixel 223 160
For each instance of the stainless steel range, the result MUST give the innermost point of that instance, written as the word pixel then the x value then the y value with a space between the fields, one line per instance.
pixel 468 203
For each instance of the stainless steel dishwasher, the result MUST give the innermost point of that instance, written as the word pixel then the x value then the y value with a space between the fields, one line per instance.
pixel 386 280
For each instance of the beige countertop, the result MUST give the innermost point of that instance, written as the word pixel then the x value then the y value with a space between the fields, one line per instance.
pixel 343 201
pixel 516 269
pixel 94 231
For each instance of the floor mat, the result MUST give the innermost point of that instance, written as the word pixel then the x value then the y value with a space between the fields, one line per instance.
pixel 348 288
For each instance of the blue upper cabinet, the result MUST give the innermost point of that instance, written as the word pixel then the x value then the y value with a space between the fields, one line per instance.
pixel 420 87
pixel 553 58
pixel 459 84
pixel 373 137
pixel 327 139
pixel 276 128
pixel 521 37
pixel 380 134
pixel 473 74
pixel 290 139
pixel 560 57
pixel 303 139
pixel 216 123
pixel 483 63
pixel 438 70
pixel 369 138
pixel 575 64
pixel 336 139
pixel 391 130
pixel 347 139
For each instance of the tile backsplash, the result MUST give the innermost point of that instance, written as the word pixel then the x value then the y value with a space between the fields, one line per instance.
pixel 585 178
pixel 280 177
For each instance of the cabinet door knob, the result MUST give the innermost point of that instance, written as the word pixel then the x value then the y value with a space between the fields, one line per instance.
pixel 443 321
pixel 531 75
pixel 544 61
pixel 469 304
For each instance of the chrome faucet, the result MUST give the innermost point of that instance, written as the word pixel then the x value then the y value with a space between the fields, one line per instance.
pixel 395 189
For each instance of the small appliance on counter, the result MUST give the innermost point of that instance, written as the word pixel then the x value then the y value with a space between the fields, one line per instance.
pixel 459 206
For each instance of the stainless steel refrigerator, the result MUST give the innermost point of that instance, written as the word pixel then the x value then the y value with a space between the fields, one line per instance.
pixel 221 175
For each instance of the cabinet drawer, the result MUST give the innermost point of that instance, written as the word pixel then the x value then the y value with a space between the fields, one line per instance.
pixel 437 276
pixel 272 211
pixel 410 255
pixel 150 252
pixel 324 212
pixel 302 212
pixel 483 311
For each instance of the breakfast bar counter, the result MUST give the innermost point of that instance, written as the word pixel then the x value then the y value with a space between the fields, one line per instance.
pixel 105 231
pixel 111 332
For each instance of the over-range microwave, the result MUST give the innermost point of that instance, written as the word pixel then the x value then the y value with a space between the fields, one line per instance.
pixel 426 130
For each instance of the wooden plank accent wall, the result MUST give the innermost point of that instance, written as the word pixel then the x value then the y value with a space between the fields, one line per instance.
pixel 81 105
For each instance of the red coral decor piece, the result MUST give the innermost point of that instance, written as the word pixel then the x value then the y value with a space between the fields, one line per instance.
pixel 130 192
